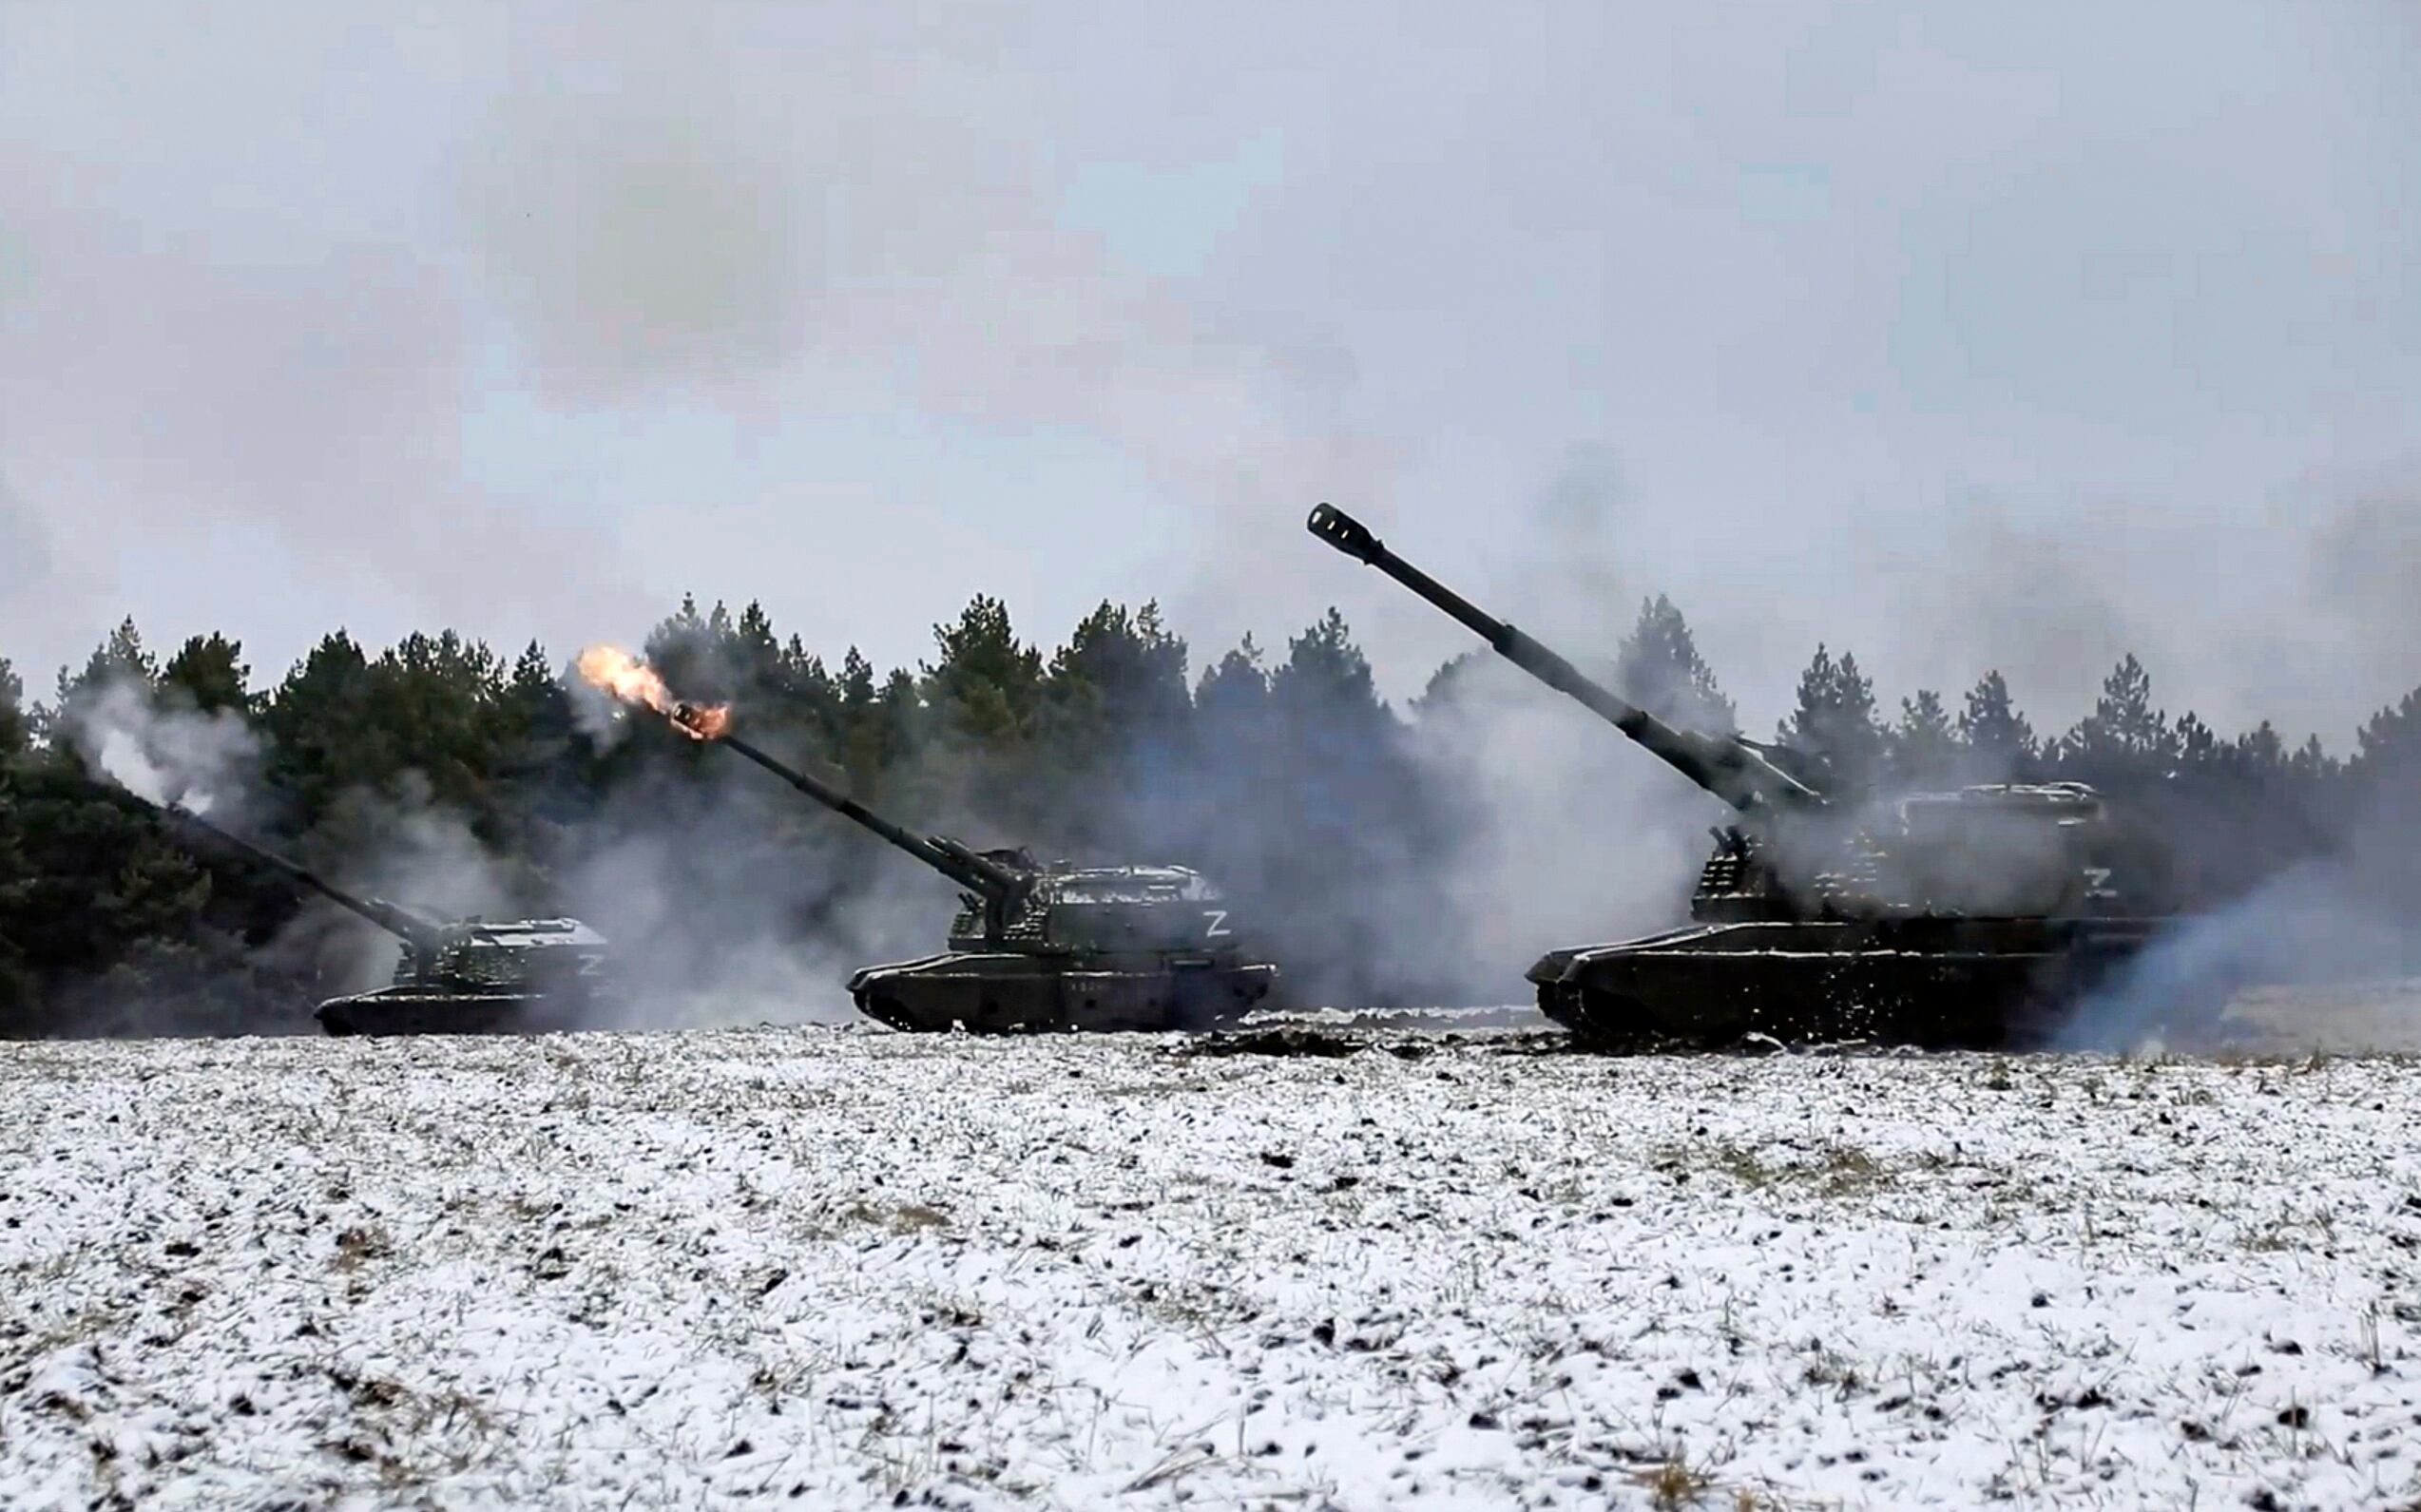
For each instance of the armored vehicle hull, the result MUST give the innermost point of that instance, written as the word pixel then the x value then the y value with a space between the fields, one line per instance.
pixel 998 992
pixel 412 1010
pixel 1929 981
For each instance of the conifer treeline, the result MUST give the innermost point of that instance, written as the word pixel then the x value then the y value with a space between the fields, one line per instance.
pixel 1322 809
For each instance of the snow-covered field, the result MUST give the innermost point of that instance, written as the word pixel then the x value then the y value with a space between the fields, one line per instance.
pixel 852 1266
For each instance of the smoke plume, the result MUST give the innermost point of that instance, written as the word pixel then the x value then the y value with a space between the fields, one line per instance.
pixel 2262 969
pixel 163 750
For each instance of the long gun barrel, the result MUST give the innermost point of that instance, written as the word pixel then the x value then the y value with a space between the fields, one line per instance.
pixel 1729 768
pixel 392 918
pixel 952 860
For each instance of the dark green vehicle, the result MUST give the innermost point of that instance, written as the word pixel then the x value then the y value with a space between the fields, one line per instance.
pixel 1039 947
pixel 453 976
pixel 1975 917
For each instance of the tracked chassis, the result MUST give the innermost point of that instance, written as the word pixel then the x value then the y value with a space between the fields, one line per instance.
pixel 1939 982
pixel 992 992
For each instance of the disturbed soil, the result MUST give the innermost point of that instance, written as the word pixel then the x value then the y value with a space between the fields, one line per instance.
pixel 1356 1270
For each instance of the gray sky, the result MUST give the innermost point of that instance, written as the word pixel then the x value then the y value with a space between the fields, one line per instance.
pixel 1960 335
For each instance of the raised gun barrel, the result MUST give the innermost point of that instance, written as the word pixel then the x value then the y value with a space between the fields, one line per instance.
pixel 394 918
pixel 1728 767
pixel 976 873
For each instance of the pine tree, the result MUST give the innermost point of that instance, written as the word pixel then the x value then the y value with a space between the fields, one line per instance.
pixel 1998 738
pixel 1232 697
pixel 92 890
pixel 536 707
pixel 2125 733
pixel 1120 679
pixel 209 671
pixel 1339 803
pixel 985 687
pixel 1115 713
pixel 1660 669
pixel 904 720
pixel 1835 723
pixel 122 658
pixel 322 736
pixel 816 699
pixel 18 990
pixel 540 781
pixel 2262 752
pixel 683 650
pixel 13 729
pixel 2196 743
pixel 1925 749
pixel 865 730
pixel 1326 680
pixel 763 672
pixel 437 703
pixel 2382 800
pixel 2311 760
pixel 1447 686
pixel 1232 763
pixel 2389 745
pixel 121 655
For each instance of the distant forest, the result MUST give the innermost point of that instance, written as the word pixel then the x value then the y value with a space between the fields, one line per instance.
pixel 1285 776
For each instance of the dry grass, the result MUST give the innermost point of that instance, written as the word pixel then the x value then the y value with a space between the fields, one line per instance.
pixel 360 1244
pixel 906 1218
pixel 1831 1170
pixel 1675 1484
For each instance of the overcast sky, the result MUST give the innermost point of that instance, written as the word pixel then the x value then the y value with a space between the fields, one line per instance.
pixel 1960 335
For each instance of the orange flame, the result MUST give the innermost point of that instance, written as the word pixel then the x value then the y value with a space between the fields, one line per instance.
pixel 634 682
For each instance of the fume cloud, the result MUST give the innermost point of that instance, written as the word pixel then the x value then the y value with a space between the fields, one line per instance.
pixel 162 749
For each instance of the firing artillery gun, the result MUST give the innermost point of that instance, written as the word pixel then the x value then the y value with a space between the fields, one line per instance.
pixel 1033 948
pixel 1975 917
pixel 1039 948
pixel 451 976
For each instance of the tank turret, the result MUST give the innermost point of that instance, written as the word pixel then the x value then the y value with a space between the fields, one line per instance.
pixel 1973 916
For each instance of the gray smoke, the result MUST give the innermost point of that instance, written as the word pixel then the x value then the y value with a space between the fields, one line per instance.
pixel 162 749
pixel 699 950
pixel 2272 969
pixel 1582 836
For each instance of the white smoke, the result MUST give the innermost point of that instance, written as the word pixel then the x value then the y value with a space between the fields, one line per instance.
pixel 162 749
pixel 122 756
pixel 725 904
pixel 2311 926
pixel 1575 833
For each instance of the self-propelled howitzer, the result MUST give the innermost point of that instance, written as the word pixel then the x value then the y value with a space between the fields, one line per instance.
pixel 1037 947
pixel 451 976
pixel 1972 917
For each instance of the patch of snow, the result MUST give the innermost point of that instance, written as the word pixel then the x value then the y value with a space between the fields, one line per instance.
pixel 716 1269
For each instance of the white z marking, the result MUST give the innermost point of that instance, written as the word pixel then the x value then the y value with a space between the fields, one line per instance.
pixel 1218 923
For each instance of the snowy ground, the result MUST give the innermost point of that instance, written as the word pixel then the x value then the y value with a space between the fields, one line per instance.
pixel 846 1266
